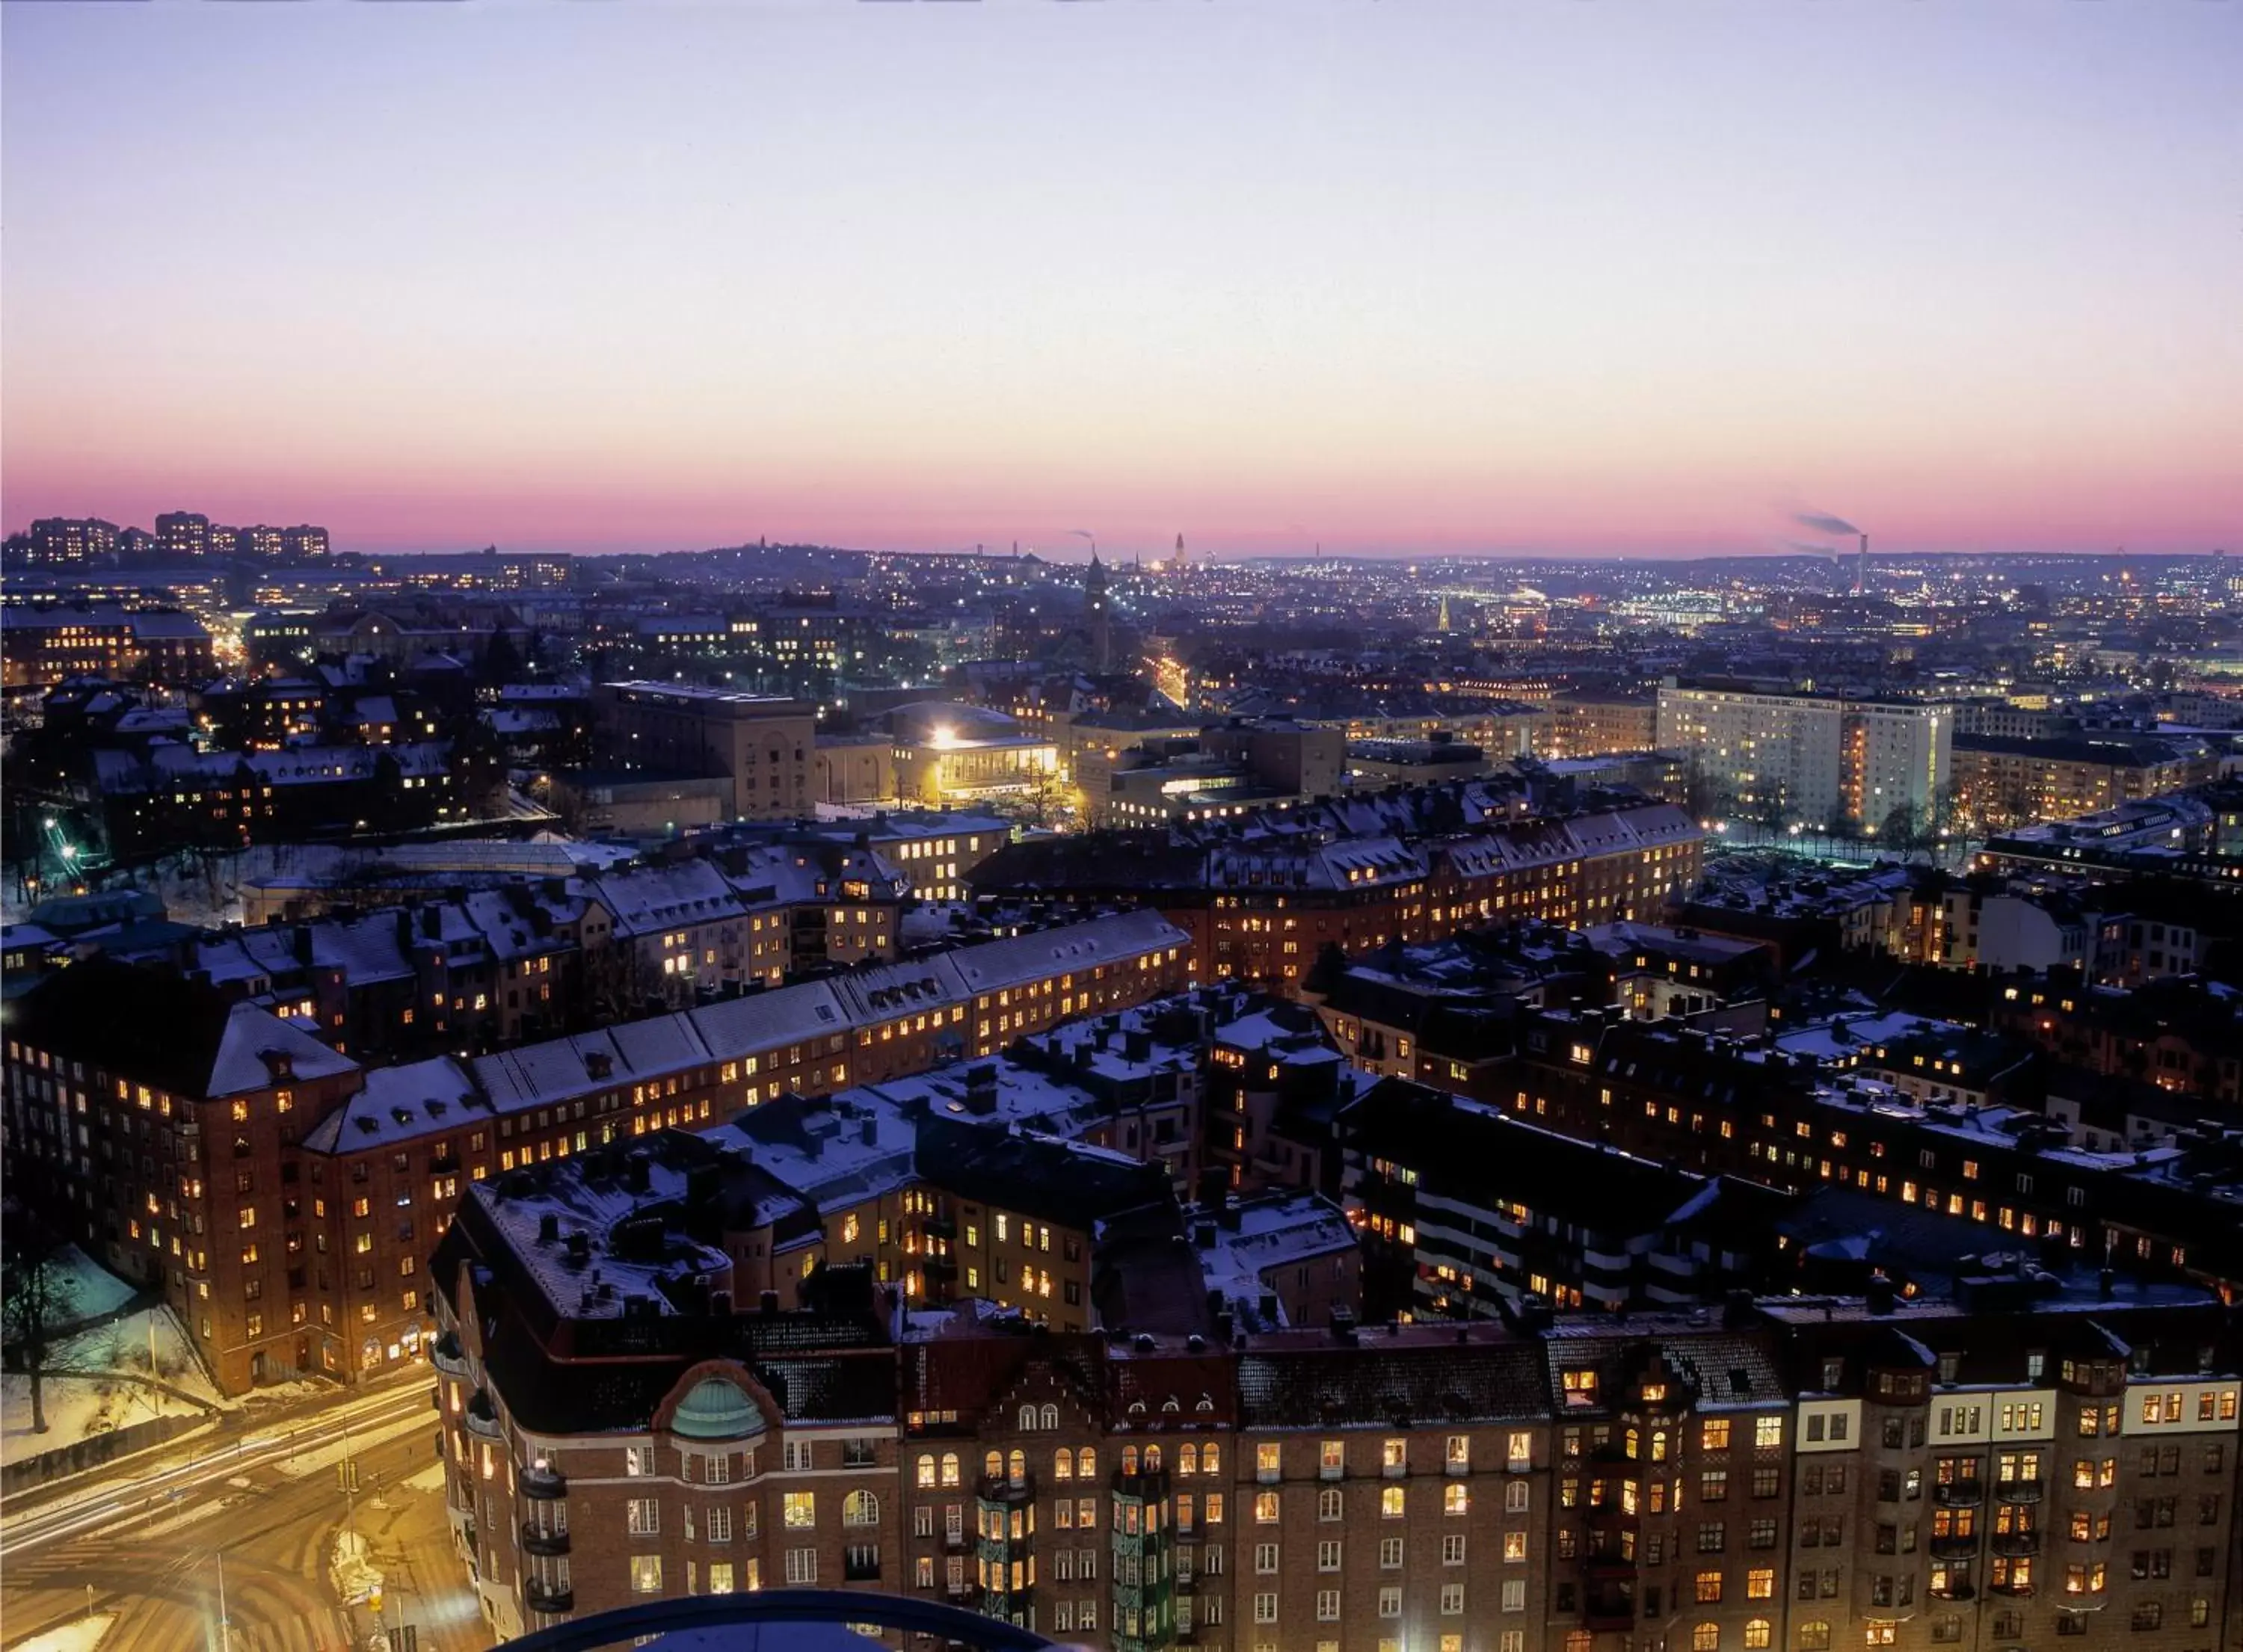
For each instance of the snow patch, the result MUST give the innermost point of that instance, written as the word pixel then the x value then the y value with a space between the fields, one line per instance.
pixel 355 1576
pixel 92 1385
pixel 84 1636
pixel 93 1289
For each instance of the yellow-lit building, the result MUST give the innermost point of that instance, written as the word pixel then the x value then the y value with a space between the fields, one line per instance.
pixel 946 754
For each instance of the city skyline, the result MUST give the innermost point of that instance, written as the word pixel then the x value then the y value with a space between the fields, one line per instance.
pixel 1558 282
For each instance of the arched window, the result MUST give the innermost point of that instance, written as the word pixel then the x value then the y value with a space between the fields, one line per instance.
pixel 1211 1459
pixel 1062 1464
pixel 993 1465
pixel 1016 1468
pixel 1706 1637
pixel 1048 1416
pixel 1152 1460
pixel 950 1468
pixel 1759 1633
pixel 1129 1460
pixel 1086 1463
pixel 1186 1459
pixel 1658 1445
pixel 1028 1418
pixel 1206 1403
pixel 1634 1444
pixel 927 1470
pixel 1331 1505
pixel 1171 1404
pixel 1455 1500
pixel 860 1508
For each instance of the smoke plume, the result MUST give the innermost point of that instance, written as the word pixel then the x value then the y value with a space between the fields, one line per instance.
pixel 1823 524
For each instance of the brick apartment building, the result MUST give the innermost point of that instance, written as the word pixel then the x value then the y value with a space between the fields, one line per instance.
pixel 1262 914
pixel 2032 1463
pixel 286 1197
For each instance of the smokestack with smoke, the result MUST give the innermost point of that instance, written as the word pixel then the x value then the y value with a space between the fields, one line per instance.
pixel 1823 524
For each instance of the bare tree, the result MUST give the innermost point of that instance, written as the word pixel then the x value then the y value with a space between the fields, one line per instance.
pixel 35 1300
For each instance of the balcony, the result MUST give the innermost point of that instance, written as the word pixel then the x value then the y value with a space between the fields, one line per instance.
pixel 542 1480
pixel 1955 1547
pixel 2016 1543
pixel 445 1354
pixel 544 1597
pixel 535 1540
pixel 2018 1491
pixel 1958 1494
pixel 483 1418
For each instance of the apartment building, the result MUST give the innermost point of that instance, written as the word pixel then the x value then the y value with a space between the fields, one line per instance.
pixel 1262 915
pixel 256 1174
pixel 1594 723
pixel 1468 1211
pixel 764 744
pixel 40 647
pixel 2004 782
pixel 1793 1473
pixel 1807 756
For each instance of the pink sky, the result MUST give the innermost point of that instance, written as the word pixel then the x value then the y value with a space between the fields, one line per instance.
pixel 1449 278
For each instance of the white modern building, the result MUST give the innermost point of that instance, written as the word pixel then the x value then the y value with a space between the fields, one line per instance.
pixel 1815 756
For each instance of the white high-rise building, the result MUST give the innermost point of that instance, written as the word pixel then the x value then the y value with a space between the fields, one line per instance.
pixel 1812 757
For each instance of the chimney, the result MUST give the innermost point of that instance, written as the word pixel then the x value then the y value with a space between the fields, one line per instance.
pixel 1880 1295
pixel 548 1228
pixel 981 1088
pixel 768 1303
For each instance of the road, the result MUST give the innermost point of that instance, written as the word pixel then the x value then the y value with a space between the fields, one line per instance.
pixel 151 1538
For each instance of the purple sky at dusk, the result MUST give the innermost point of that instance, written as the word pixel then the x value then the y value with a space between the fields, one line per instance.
pixel 1498 275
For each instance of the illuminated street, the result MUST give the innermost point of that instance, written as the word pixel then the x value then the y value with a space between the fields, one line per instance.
pixel 142 1543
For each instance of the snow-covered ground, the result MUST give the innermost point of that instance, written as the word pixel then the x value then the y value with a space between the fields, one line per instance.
pixel 354 1575
pixel 90 1390
pixel 84 1636
pixel 92 1289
